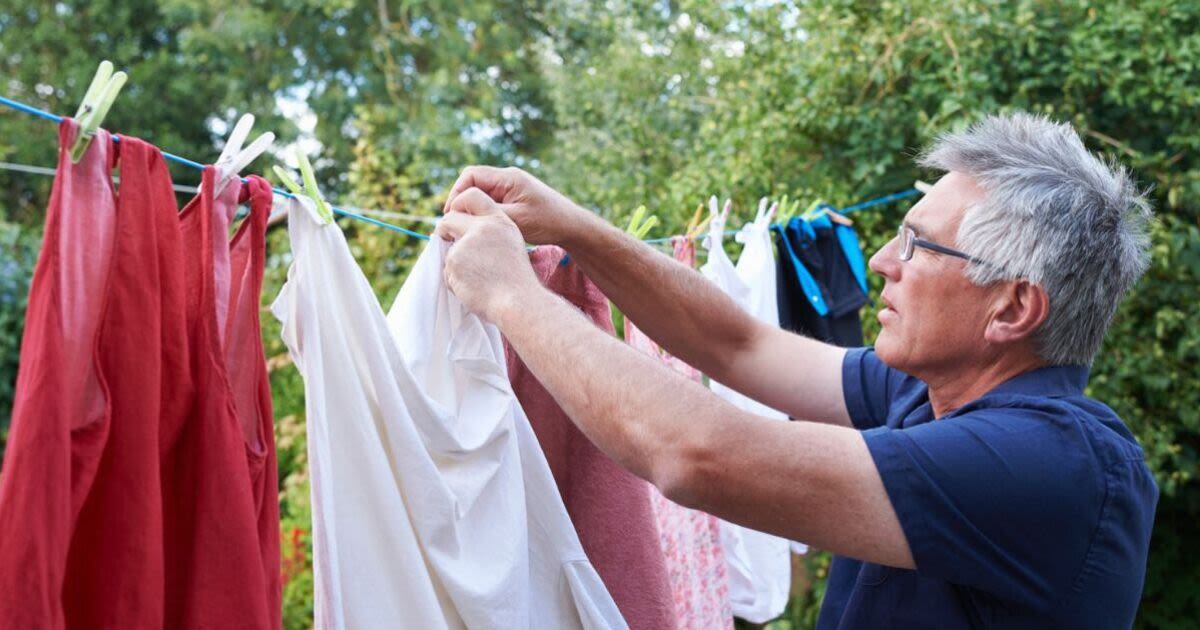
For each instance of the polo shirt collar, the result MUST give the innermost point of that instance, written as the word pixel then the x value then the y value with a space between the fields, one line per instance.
pixel 1058 380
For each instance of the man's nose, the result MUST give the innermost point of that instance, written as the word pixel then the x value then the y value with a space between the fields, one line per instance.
pixel 886 261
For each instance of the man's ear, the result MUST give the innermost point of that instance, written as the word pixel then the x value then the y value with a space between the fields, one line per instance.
pixel 1021 308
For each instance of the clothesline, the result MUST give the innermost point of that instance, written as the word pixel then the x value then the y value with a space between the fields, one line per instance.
pixel 29 109
pixel 22 107
pixel 878 201
pixel 49 172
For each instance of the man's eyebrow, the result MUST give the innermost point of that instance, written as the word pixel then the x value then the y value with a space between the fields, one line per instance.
pixel 917 229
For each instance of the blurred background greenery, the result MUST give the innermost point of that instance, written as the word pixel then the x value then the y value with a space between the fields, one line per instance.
pixel 659 103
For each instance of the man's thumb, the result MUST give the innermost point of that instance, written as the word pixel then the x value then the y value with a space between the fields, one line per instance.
pixel 452 226
pixel 474 201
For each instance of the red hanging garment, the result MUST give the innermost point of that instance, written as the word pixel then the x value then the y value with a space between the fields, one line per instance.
pixel 117 548
pixel 220 516
pixel 609 507
pixel 139 488
pixel 247 372
pixel 104 356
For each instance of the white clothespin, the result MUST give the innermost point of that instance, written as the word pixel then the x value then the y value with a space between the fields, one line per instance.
pixel 762 220
pixel 233 157
pixel 765 220
pixel 716 222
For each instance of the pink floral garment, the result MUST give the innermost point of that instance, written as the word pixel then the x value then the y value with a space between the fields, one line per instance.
pixel 690 539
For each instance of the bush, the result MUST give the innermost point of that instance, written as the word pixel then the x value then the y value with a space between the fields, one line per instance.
pixel 18 255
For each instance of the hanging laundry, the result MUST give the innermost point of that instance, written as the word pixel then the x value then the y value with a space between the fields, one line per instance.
pixel 246 368
pixel 433 506
pixel 822 284
pixel 221 516
pixel 690 539
pixel 609 506
pixel 822 280
pixel 759 564
pixel 80 514
pixel 126 498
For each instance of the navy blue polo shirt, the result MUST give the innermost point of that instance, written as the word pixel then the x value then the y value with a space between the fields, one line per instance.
pixel 1029 507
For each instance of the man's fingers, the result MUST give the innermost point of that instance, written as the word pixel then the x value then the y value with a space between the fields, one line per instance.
pixel 473 201
pixel 495 182
pixel 452 226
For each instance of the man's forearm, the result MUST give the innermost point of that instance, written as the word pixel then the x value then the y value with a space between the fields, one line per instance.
pixel 802 480
pixel 600 382
pixel 694 320
pixel 688 316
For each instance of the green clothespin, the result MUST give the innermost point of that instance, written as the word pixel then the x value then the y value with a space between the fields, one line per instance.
pixel 310 190
pixel 639 228
pixel 96 102
pixel 781 215
pixel 787 210
pixel 815 209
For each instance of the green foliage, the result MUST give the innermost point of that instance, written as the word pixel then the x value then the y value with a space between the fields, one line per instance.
pixel 177 97
pixel 832 99
pixel 18 255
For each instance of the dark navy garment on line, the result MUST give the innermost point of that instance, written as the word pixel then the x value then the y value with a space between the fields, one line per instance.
pixel 820 268
pixel 1029 507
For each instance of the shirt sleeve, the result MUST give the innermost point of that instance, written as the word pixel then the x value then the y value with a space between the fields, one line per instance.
pixel 1005 499
pixel 869 387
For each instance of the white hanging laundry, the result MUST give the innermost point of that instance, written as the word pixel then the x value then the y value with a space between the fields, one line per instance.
pixel 433 506
pixel 760 570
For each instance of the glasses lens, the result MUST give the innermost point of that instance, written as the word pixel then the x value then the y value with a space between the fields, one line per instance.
pixel 906 243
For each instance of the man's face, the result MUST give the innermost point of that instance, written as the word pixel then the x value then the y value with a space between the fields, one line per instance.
pixel 934 318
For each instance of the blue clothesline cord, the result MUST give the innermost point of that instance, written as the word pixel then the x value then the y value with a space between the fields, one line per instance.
pixel 198 166
pixel 904 194
pixel 30 110
pixel 22 107
pixel 878 201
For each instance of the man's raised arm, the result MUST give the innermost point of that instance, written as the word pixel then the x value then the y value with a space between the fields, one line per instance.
pixel 681 310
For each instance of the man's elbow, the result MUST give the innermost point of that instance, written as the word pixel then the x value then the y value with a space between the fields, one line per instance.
pixel 686 471
pixel 738 344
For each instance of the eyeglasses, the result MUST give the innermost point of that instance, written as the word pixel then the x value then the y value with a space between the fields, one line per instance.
pixel 909 242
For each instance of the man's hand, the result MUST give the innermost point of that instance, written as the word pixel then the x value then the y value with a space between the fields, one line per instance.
pixel 487 268
pixel 543 214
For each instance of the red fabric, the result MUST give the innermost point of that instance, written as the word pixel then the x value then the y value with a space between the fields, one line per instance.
pixel 131 495
pixel 247 369
pixel 80 509
pixel 216 558
pixel 609 507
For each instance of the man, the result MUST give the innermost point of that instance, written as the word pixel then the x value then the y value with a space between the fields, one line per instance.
pixel 957 469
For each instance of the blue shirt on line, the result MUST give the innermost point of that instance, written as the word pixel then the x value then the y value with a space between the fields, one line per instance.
pixel 1029 507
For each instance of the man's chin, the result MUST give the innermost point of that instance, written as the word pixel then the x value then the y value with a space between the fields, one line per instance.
pixel 887 348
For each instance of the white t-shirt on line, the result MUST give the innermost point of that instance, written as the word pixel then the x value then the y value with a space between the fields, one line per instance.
pixel 433 506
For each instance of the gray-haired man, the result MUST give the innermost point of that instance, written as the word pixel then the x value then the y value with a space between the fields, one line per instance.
pixel 956 469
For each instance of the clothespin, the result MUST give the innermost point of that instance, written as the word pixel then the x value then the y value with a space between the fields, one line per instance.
pixel 820 208
pixel 787 210
pixel 782 204
pixel 697 224
pixel 233 157
pixel 815 209
pixel 96 102
pixel 639 227
pixel 762 220
pixel 717 219
pixel 837 217
pixel 323 212
pixel 922 186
